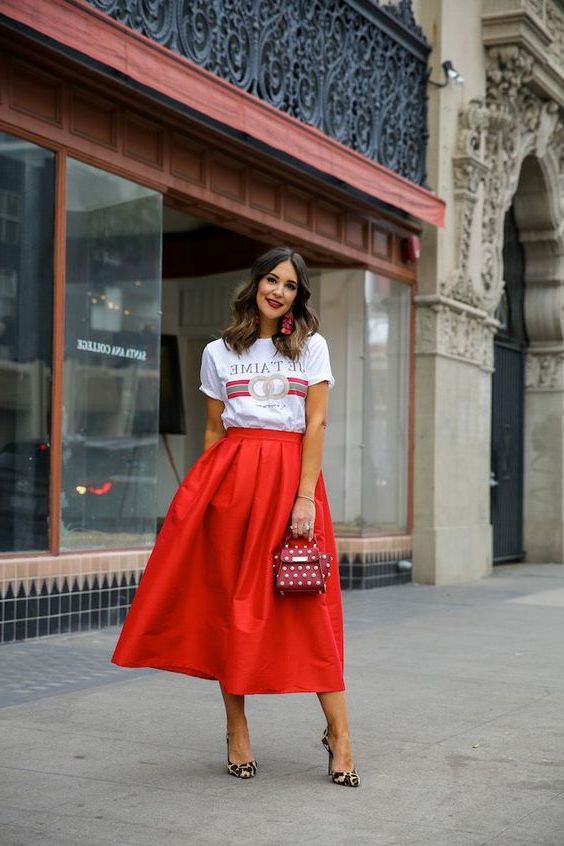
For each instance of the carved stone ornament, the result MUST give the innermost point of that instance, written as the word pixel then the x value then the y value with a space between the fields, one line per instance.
pixel 545 370
pixel 495 135
pixel 554 21
pixel 449 328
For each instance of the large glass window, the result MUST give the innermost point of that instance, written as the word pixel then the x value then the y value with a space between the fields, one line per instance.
pixel 365 319
pixel 111 370
pixel 26 297
pixel 385 403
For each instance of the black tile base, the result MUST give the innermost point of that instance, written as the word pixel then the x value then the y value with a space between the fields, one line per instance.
pixel 373 570
pixel 76 604
pixel 87 603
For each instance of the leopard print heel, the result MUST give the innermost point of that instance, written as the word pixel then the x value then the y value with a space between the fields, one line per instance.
pixel 246 770
pixel 348 778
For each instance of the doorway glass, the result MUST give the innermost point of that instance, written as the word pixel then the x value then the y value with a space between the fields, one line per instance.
pixel 111 367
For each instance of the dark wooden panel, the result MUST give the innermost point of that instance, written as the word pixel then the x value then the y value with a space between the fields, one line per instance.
pixel 143 140
pixel 381 243
pixel 328 220
pixel 228 177
pixel 298 208
pixel 265 194
pixel 188 160
pixel 35 93
pixel 356 232
pixel 94 118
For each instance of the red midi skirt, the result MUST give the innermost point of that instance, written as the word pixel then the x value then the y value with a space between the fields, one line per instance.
pixel 206 605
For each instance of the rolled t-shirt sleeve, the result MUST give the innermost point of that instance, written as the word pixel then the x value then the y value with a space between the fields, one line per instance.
pixel 210 382
pixel 318 363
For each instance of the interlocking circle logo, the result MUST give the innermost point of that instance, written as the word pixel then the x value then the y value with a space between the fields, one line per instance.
pixel 268 387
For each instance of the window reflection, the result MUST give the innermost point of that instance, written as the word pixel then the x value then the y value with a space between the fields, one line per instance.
pixel 365 319
pixel 386 403
pixel 111 376
pixel 26 291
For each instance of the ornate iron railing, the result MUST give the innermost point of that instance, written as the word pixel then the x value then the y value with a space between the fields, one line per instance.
pixel 355 69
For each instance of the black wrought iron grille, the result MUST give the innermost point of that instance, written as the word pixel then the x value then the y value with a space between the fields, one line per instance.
pixel 356 69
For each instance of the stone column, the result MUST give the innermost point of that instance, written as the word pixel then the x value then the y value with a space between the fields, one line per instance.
pixel 544 454
pixel 452 532
pixel 504 121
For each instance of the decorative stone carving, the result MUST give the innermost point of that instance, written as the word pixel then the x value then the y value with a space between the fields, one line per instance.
pixel 559 155
pixel 536 7
pixel 547 22
pixel 508 70
pixel 545 370
pixel 470 170
pixel 554 20
pixel 496 134
pixel 448 328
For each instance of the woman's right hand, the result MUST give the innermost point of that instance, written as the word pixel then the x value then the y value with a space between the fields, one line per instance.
pixel 303 518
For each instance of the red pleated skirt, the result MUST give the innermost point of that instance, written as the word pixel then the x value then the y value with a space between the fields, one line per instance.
pixel 206 606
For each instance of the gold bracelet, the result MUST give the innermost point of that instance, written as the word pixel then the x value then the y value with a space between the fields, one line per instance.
pixel 304 496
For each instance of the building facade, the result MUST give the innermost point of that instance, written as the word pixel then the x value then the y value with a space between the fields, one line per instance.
pixel 489 383
pixel 148 152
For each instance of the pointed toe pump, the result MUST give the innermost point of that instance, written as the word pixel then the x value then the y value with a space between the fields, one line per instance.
pixel 348 778
pixel 246 770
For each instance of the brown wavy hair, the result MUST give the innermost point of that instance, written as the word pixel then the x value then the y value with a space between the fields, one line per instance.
pixel 243 329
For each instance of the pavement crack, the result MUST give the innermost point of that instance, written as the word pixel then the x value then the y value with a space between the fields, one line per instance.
pixel 520 819
pixel 479 725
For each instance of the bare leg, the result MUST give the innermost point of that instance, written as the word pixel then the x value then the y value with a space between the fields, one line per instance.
pixel 239 742
pixel 334 706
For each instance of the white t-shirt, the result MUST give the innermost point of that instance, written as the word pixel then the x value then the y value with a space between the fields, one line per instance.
pixel 261 388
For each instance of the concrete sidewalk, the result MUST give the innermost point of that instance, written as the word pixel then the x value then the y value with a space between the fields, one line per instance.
pixel 457 708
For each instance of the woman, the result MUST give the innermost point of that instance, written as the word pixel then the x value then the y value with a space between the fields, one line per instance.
pixel 206 605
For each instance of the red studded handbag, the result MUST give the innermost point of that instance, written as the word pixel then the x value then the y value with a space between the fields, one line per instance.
pixel 300 566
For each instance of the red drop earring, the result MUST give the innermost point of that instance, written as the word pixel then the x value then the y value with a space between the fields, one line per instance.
pixel 257 316
pixel 288 323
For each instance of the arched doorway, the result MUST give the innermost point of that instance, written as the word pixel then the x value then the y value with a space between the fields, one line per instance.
pixel 538 212
pixel 508 403
pixel 527 494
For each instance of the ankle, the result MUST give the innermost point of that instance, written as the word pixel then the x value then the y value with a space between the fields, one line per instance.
pixel 238 728
pixel 338 732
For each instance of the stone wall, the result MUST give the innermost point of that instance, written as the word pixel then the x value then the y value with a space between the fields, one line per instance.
pixel 495 141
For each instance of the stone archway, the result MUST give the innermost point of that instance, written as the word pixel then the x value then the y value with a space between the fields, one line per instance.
pixel 537 208
pixel 497 134
pixel 506 140
pixel 511 150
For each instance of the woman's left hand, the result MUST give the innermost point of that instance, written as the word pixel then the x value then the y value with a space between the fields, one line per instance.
pixel 303 518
